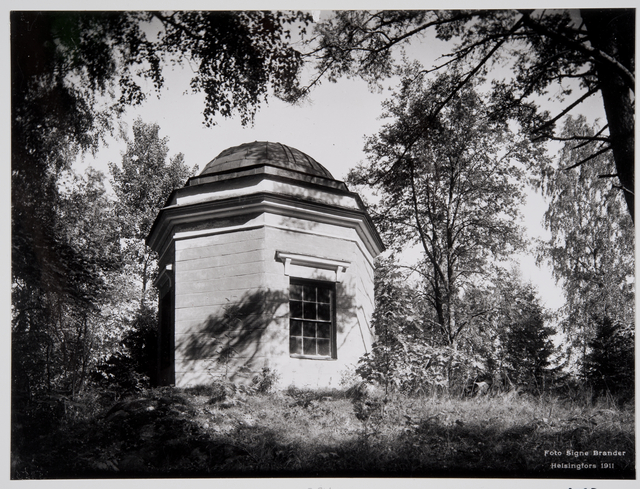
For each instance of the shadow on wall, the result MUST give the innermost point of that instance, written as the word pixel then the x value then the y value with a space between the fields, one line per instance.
pixel 240 340
pixel 235 343
pixel 346 311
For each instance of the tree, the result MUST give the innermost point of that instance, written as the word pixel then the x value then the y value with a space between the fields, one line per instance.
pixel 610 365
pixel 74 73
pixel 393 316
pixel 403 357
pixel 552 53
pixel 133 365
pixel 453 186
pixel 591 248
pixel 62 57
pixel 59 329
pixel 525 341
pixel 142 185
pixel 239 55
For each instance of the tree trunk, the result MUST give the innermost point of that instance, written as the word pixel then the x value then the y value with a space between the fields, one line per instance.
pixel 612 31
pixel 85 349
pixel 437 297
pixel 48 363
pixel 144 281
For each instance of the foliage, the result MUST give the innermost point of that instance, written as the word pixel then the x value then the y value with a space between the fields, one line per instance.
pixel 142 185
pixel 450 184
pixel 144 179
pixel 527 348
pixel 266 380
pixel 403 357
pixel 133 367
pixel 87 311
pixel 218 391
pixel 239 55
pixel 224 393
pixel 61 64
pixel 610 363
pixel 510 347
pixel 591 248
pixel 551 54
pixel 60 325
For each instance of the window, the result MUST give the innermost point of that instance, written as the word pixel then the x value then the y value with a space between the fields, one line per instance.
pixel 311 319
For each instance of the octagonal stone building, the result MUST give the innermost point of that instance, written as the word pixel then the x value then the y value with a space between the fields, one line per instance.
pixel 266 260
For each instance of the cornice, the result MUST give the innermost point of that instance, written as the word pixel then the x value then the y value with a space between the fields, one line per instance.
pixel 285 205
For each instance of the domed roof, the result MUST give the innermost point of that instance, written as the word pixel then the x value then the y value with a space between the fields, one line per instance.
pixel 265 153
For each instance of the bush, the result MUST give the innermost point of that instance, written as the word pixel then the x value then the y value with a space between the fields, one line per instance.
pixel 133 368
pixel 266 380
pixel 411 366
pixel 610 366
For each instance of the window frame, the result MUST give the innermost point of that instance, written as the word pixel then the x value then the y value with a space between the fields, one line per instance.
pixel 333 329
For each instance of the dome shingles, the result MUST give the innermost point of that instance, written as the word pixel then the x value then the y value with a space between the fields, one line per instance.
pixel 265 153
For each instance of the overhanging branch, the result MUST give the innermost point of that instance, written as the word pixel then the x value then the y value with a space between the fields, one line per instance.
pixel 567 110
pixel 595 54
pixel 589 158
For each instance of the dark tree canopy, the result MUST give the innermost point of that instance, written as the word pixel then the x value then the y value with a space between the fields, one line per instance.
pixel 58 332
pixel 610 366
pixel 551 53
pixel 72 73
pixel 526 341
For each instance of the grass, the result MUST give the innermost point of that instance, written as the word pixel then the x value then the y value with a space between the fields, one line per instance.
pixel 222 431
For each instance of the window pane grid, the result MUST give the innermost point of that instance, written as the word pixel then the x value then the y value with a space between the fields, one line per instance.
pixel 310 308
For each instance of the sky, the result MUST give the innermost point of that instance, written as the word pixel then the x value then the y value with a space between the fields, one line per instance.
pixel 330 127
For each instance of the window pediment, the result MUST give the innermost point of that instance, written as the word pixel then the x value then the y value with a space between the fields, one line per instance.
pixel 339 267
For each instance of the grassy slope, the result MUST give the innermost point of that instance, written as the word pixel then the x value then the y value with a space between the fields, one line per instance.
pixel 189 433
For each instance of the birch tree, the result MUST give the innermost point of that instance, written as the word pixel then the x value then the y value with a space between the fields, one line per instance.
pixel 591 248
pixel 453 186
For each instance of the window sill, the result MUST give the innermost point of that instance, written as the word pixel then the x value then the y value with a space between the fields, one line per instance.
pixel 312 357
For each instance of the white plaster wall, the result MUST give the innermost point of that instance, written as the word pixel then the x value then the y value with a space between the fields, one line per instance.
pixel 214 275
pixel 353 336
pixel 231 290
